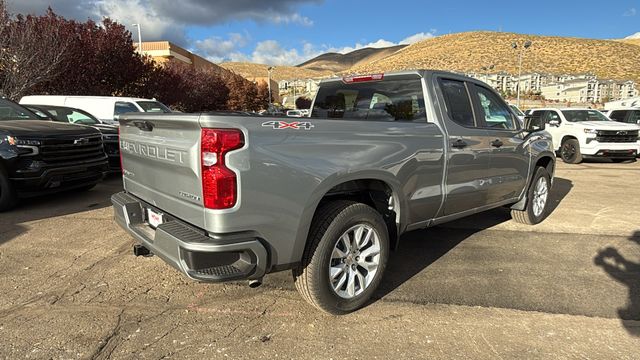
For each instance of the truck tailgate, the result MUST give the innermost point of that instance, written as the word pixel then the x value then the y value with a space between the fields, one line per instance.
pixel 161 162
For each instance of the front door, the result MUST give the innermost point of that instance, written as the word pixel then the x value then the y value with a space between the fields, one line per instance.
pixel 509 161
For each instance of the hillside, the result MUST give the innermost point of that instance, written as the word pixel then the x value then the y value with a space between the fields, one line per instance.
pixel 336 62
pixel 251 70
pixel 468 52
pixel 631 41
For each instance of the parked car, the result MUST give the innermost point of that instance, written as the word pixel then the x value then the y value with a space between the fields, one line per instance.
pixel 105 108
pixel 222 197
pixel 40 157
pixel 518 113
pixel 583 133
pixel 625 115
pixel 80 117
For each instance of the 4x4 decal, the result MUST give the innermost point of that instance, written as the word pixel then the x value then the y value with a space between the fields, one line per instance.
pixel 296 125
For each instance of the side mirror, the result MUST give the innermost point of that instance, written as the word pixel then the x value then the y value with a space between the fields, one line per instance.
pixel 533 123
pixel 554 123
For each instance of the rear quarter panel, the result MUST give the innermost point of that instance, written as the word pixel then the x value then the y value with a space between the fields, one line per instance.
pixel 284 173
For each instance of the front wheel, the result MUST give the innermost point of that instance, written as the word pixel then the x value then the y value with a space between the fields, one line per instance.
pixel 345 258
pixel 570 151
pixel 537 199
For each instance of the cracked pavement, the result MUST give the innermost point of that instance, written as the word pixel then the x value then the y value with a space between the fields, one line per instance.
pixel 481 287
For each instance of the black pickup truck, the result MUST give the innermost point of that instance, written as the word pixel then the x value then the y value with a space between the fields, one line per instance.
pixel 39 157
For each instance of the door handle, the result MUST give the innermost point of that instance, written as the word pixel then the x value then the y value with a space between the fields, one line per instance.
pixel 459 144
pixel 497 143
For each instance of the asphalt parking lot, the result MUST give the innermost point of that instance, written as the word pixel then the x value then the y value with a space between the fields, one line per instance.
pixel 481 287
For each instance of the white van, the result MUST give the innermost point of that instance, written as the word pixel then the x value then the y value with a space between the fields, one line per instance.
pixel 105 108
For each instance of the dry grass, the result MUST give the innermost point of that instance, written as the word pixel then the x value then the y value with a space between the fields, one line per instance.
pixel 466 52
pixel 631 41
pixel 251 70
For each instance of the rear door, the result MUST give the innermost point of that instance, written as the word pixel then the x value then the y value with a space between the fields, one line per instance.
pixel 161 162
pixel 469 152
pixel 509 163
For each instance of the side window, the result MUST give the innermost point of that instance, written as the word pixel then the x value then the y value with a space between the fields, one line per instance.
pixel 122 107
pixel 617 115
pixel 552 115
pixel 495 111
pixel 456 99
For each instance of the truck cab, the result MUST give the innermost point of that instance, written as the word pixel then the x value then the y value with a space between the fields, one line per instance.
pixel 580 133
pixel 624 115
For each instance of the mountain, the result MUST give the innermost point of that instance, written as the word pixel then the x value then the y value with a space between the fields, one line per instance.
pixel 634 36
pixel 471 51
pixel 336 62
pixel 252 70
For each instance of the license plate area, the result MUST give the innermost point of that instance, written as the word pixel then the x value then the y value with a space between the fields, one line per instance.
pixel 154 218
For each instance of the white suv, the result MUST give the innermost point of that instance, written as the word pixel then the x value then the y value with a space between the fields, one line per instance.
pixel 581 133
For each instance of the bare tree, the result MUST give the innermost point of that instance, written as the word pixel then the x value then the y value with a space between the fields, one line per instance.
pixel 33 48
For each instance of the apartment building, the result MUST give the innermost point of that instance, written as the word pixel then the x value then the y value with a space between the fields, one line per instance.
pixel 589 89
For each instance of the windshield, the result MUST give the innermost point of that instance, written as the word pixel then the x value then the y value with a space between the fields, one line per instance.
pixel 153 106
pixel 516 110
pixel 12 111
pixel 584 115
pixel 73 116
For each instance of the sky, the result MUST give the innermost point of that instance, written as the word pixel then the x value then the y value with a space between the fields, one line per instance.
pixel 289 32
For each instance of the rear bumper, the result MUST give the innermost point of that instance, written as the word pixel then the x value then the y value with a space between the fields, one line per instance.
pixel 210 258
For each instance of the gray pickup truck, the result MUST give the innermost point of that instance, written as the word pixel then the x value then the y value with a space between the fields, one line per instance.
pixel 226 197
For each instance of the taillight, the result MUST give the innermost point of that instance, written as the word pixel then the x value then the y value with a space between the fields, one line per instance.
pixel 219 183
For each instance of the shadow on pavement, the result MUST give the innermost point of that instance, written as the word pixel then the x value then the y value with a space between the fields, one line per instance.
pixel 60 204
pixel 628 273
pixel 421 248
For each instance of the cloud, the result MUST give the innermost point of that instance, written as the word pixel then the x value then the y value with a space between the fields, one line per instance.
pixel 273 53
pixel 167 19
pixel 634 36
pixel 218 49
pixel 418 37
pixel 630 12
pixel 386 43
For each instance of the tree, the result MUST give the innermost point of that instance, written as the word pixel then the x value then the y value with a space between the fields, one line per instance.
pixel 303 103
pixel 33 48
pixel 262 96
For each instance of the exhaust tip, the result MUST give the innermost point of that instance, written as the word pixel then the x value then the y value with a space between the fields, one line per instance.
pixel 255 283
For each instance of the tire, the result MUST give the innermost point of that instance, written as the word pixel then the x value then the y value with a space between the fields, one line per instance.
pixel 570 151
pixel 8 196
pixel 535 211
pixel 332 224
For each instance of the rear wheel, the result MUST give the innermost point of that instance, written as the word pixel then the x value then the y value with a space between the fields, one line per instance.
pixel 570 151
pixel 537 199
pixel 7 192
pixel 345 258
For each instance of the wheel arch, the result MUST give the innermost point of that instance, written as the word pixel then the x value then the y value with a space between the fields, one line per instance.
pixel 545 160
pixel 378 190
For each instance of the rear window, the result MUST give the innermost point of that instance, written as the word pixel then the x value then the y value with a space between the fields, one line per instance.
pixel 153 106
pixel 389 100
